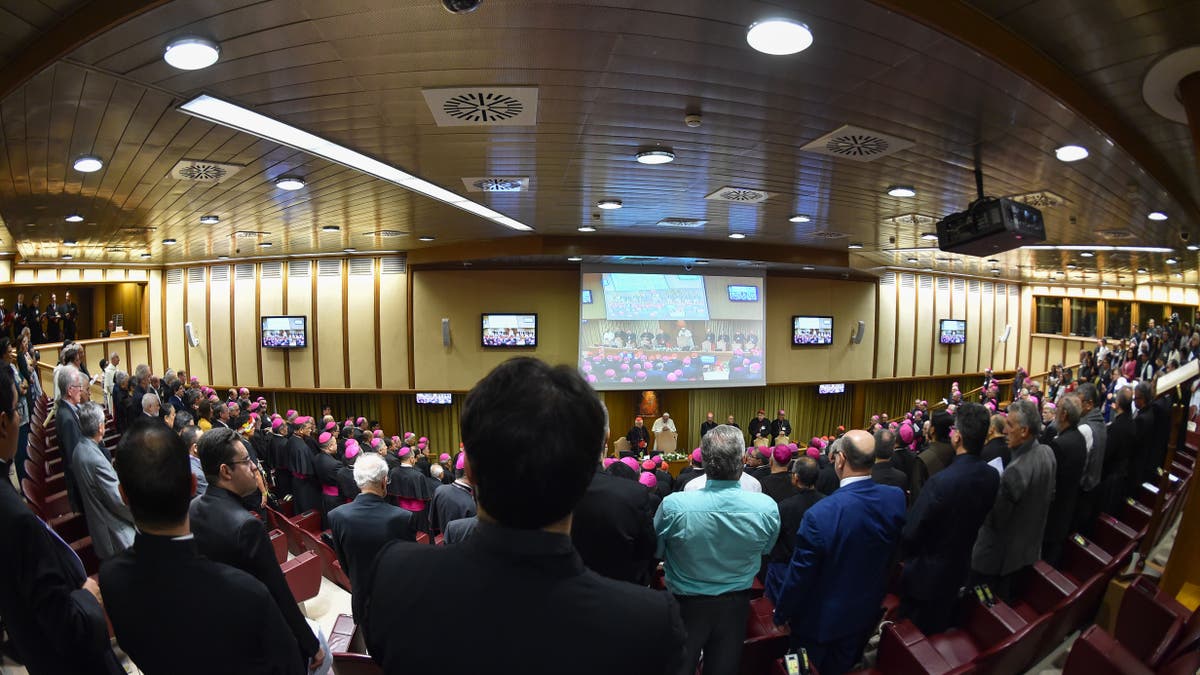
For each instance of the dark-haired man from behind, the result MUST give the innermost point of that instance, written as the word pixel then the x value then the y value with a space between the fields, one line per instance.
pixel 791 511
pixel 173 610
pixel 935 457
pixel 884 472
pixel 941 528
pixel 834 584
pixel 1118 456
pixel 518 574
pixel 227 533
pixel 52 610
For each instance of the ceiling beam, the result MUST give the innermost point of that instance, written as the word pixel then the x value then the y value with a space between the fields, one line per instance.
pixel 977 30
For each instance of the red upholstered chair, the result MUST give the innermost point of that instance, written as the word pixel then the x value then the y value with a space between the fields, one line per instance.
pixel 1136 516
pixel 765 642
pixel 1146 627
pixel 1116 538
pixel 303 574
pixel 905 650
pixel 994 639
pixel 279 544
pixel 331 567
pixel 348 649
pixel 1096 652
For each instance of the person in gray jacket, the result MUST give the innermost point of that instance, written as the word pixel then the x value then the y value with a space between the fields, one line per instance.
pixel 108 518
pixel 1011 537
pixel 1095 434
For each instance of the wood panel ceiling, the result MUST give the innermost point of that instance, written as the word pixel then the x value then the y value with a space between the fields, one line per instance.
pixel 611 78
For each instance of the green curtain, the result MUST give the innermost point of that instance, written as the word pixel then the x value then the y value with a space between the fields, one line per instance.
pixel 439 423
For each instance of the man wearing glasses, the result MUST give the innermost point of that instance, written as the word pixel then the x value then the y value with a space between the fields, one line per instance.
pixel 226 532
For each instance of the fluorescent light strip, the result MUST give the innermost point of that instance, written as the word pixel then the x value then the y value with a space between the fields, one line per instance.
pixel 1080 247
pixel 236 117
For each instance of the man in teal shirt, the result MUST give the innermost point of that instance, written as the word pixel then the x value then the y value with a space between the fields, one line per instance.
pixel 711 542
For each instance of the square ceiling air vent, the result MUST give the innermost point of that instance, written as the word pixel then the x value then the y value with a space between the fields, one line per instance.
pixel 858 144
pixel 386 233
pixel 496 183
pixel 827 234
pixel 1042 199
pixel 483 106
pixel 682 223
pixel 911 220
pixel 204 171
pixel 738 195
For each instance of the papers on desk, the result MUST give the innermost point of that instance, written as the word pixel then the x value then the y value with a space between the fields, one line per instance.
pixel 998 465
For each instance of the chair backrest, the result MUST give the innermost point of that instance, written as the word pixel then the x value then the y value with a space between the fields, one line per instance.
pixel 1145 627
pixel 1083 559
pixel 903 650
pixel 303 575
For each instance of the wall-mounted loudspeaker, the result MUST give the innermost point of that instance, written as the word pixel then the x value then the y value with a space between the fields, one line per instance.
pixel 1007 332
pixel 445 332
pixel 192 338
pixel 858 334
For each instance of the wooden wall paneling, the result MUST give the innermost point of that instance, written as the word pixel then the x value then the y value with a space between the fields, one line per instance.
pixel 196 295
pixel 233 368
pixel 408 320
pixel 270 302
pixel 375 272
pixel 314 346
pixel 139 352
pixel 942 310
pixel 285 354
pixel 986 347
pixel 299 302
pixel 925 326
pixel 154 312
pixel 361 305
pixel 394 343
pixel 243 318
pixel 330 328
pixel 1020 321
pixel 346 322
pixel 220 326
pixel 906 297
pixel 174 320
pixel 975 328
pixel 875 335
pixel 885 328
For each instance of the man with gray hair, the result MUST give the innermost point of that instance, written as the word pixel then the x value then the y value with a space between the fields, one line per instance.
pixel 108 518
pixel 1070 456
pixel 110 374
pixel 1011 537
pixel 362 527
pixel 69 356
pixel 69 383
pixel 151 404
pixel 711 541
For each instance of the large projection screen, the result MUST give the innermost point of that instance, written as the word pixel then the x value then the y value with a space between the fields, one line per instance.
pixel 654 328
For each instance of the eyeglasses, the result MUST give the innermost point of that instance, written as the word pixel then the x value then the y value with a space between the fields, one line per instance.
pixel 253 466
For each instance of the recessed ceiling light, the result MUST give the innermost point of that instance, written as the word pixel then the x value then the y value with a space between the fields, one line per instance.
pixel 210 220
pixel 928 269
pixel 425 238
pixel 574 258
pixel 700 262
pixel 1193 247
pixel 993 261
pixel 1071 153
pixel 289 182
pixel 1103 283
pixel 1142 270
pixel 913 261
pixel 800 218
pixel 609 204
pixel 191 53
pixel 807 268
pixel 854 245
pixel 145 255
pixel 88 164
pixel 330 228
pixel 656 156
pixel 246 120
pixel 1156 215
pixel 587 228
pixel 1072 266
pixel 736 235
pixel 1098 247
pixel 1179 275
pixel 1086 254
pixel 222 257
pixel 995 271
pixel 902 191
pixel 1171 261
pixel 168 242
pixel 266 244
pixel 67 256
pixel 349 250
pixel 69 242
pixel 779 37
pixel 929 236
pixel 74 218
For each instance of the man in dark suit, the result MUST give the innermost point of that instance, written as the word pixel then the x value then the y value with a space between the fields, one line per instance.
pixel 366 524
pixel 66 420
pixel 760 427
pixel 70 315
pixel 942 525
pixel 173 610
pixel 707 425
pixel 831 593
pixel 935 457
pixel 1115 480
pixel 227 533
pixel 518 574
pixel 693 470
pixel 612 529
pixel 780 426
pixel 51 609
pixel 884 472
pixel 791 513
pixel 1070 457
pixel 996 445
pixel 1146 423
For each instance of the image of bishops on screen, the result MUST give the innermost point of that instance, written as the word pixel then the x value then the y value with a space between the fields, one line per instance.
pixel 662 330
pixel 284 331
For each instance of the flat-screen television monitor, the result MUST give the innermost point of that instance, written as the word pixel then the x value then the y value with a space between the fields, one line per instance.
pixel 808 331
pixel 587 296
pixel 435 398
pixel 285 332
pixel 952 332
pixel 742 293
pixel 835 388
pixel 502 331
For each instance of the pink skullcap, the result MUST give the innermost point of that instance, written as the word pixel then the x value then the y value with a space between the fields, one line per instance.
pixel 630 462
pixel 378 433
pixel 396 440
pixel 291 413
pixel 330 426
pixel 213 397
pixel 352 450
pixel 608 461
pixel 244 390
pixel 782 454
pixel 360 420
pixel 906 433
pixel 1034 399
pixel 408 435
pixel 648 479
pixel 1049 406
pixel 813 452
pixel 323 438
pixel 793 447
pixel 815 441
pixel 275 416
pixel 404 451
pixel 444 457
pixel 422 440
pixel 657 459
pixel 254 406
pixel 254 416
pixel 346 424
pixel 458 463
pixel 697 456
pixel 232 405
pixel 648 465
pixel 765 451
pixel 375 443
pixel 195 379
pixel 305 419
pixel 276 423
pixel 422 446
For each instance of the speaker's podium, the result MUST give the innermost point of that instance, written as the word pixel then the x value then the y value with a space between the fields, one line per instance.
pixel 666 441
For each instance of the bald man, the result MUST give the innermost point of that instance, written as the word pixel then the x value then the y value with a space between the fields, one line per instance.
pixel 834 584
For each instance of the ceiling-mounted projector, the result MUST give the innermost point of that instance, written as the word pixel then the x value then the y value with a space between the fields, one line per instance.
pixel 991 226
